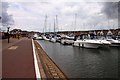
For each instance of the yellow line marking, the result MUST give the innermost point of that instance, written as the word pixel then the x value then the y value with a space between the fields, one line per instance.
pixel 38 48
pixel 13 47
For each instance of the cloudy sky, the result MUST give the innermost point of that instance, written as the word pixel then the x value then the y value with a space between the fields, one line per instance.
pixel 30 15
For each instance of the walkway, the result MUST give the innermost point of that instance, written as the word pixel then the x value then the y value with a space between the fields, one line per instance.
pixel 17 59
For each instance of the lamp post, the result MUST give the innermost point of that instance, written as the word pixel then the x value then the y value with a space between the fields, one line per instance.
pixel 8 34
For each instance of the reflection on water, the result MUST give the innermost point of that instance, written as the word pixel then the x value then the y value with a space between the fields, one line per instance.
pixel 78 62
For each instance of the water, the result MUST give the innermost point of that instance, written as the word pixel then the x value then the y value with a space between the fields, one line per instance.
pixel 84 63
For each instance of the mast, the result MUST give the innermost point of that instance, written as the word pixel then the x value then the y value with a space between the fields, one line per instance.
pixel 45 24
pixel 54 26
pixel 75 23
pixel 49 27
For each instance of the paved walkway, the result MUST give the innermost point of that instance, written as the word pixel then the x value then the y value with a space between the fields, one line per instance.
pixel 17 60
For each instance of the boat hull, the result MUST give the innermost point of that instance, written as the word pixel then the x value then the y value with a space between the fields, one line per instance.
pixel 114 42
pixel 67 42
pixel 91 43
pixel 87 45
pixel 53 40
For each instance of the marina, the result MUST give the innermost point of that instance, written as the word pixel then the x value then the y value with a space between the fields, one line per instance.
pixel 64 40
pixel 78 62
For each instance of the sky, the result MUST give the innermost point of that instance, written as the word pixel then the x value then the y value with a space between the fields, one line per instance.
pixel 30 15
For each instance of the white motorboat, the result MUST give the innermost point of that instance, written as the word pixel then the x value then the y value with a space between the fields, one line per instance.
pixel 45 38
pixel 36 37
pixel 91 43
pixel 115 41
pixel 105 43
pixel 39 38
pixel 53 39
pixel 66 40
pixel 88 43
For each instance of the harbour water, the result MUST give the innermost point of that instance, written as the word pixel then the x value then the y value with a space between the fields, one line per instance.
pixel 78 62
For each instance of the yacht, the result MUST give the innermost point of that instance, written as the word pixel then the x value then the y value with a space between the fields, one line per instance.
pixel 53 39
pixel 102 38
pixel 83 41
pixel 112 39
pixel 46 38
pixel 67 40
pixel 36 37
pixel 39 38
pixel 86 42
pixel 54 36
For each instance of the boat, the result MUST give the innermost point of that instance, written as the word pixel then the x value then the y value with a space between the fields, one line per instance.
pixel 102 38
pixel 112 39
pixel 86 42
pixel 114 42
pixel 54 36
pixel 36 37
pixel 67 40
pixel 46 38
pixel 58 38
pixel 53 39
pixel 39 38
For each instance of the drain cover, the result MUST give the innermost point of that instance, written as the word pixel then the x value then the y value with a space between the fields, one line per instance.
pixel 13 47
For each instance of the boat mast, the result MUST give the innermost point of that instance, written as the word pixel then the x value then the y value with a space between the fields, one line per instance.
pixel 56 27
pixel 75 23
pixel 49 27
pixel 45 24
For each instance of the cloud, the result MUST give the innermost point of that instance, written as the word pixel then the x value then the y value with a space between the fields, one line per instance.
pixel 6 18
pixel 90 15
pixel 111 9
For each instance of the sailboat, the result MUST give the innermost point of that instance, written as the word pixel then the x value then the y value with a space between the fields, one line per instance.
pixel 54 36
pixel 45 36
pixel 67 39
